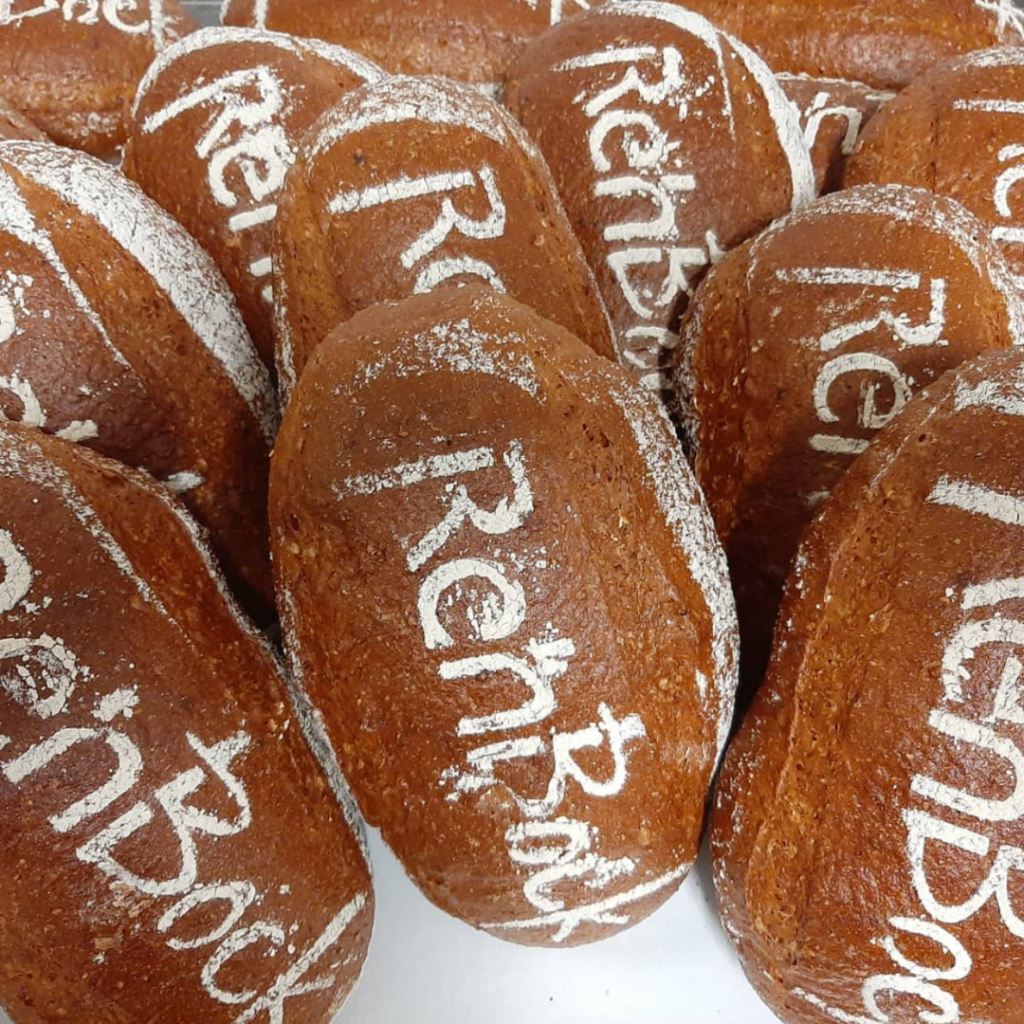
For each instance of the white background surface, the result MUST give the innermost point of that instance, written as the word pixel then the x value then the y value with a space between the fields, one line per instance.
pixel 424 967
pixel 677 967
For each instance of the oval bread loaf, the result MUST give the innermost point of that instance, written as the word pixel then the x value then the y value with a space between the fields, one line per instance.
pixel 463 39
pixel 233 104
pixel 868 835
pixel 414 184
pixel 670 143
pixel 501 589
pixel 169 848
pixel 975 154
pixel 833 113
pixel 117 331
pixel 885 43
pixel 73 67
pixel 804 343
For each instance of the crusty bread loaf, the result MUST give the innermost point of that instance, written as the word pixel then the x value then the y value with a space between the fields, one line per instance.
pixel 867 839
pixel 670 144
pixel 414 184
pixel 73 67
pixel 14 125
pixel 885 43
pixel 833 113
pixel 232 105
pixel 169 849
pixel 118 331
pixel 503 593
pixel 471 40
pixel 957 131
pixel 802 344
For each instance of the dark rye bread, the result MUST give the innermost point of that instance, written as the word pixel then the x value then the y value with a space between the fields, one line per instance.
pixel 801 345
pixel 670 143
pixel 471 40
pixel 414 184
pixel 169 848
pixel 867 839
pixel 500 587
pixel 957 132
pixel 118 332
pixel 884 43
pixel 232 104
pixel 833 113
pixel 73 67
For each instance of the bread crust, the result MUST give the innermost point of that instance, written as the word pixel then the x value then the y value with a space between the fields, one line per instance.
pixel 414 184
pixel 833 113
pixel 956 131
pixel 885 734
pixel 670 144
pixel 802 344
pixel 169 848
pixel 120 333
pixel 234 105
pixel 502 591
pixel 884 43
pixel 16 126
pixel 73 67
pixel 461 39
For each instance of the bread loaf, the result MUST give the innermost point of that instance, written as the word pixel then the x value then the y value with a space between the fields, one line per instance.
pixel 867 840
pixel 670 144
pixel 16 126
pixel 73 67
pixel 464 39
pixel 885 43
pixel 501 589
pixel 116 330
pixel 169 849
pixel 233 104
pixel 832 113
pixel 415 184
pixel 804 343
pixel 974 155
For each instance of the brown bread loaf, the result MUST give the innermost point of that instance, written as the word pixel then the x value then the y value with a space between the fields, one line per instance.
pixel 169 849
pixel 802 344
pixel 464 39
pixel 833 113
pixel 885 43
pixel 414 184
pixel 503 592
pixel 670 144
pixel 116 330
pixel 867 839
pixel 233 104
pixel 16 126
pixel 957 131
pixel 73 67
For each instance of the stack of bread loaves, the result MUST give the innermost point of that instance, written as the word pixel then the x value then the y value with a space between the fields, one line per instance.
pixel 524 407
